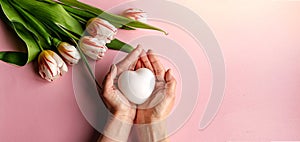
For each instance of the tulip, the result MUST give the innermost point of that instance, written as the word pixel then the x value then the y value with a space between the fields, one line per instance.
pixel 93 47
pixel 51 66
pixel 69 53
pixel 136 14
pixel 101 29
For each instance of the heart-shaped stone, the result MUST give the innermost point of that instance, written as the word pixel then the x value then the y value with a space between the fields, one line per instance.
pixel 137 85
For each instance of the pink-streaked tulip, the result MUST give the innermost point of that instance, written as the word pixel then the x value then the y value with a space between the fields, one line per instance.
pixel 101 29
pixel 69 53
pixel 136 14
pixel 51 66
pixel 93 47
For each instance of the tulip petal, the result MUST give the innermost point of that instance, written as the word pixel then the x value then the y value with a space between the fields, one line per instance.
pixel 51 65
pixel 69 53
pixel 91 54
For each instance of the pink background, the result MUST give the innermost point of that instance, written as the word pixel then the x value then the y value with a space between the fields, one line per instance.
pixel 260 43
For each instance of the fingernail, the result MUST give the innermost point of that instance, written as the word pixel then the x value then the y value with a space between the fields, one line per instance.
pixel 150 51
pixel 139 46
pixel 112 68
pixel 170 71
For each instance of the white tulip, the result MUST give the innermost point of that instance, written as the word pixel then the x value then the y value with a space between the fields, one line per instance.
pixel 136 14
pixel 51 66
pixel 69 53
pixel 101 29
pixel 93 47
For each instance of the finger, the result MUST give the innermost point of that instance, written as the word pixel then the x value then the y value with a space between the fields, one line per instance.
pixel 133 65
pixel 109 80
pixel 157 66
pixel 135 54
pixel 138 65
pixel 170 83
pixel 145 61
pixel 130 60
pixel 105 78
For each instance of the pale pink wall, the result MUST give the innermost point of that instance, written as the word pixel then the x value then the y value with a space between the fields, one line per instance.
pixel 260 43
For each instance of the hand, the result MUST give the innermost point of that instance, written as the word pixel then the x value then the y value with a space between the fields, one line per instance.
pixel 116 102
pixel 163 96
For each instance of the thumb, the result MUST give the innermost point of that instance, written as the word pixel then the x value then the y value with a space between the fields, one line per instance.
pixel 170 82
pixel 109 80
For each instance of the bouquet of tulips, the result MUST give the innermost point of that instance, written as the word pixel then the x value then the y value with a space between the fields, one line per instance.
pixel 51 29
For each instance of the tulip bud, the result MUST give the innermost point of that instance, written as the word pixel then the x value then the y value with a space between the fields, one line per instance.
pixel 69 53
pixel 51 66
pixel 93 47
pixel 101 29
pixel 136 14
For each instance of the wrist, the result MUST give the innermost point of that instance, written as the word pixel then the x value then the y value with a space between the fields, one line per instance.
pixel 117 128
pixel 125 116
pixel 148 120
pixel 156 132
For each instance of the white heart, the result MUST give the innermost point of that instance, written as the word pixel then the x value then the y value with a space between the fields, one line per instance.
pixel 137 85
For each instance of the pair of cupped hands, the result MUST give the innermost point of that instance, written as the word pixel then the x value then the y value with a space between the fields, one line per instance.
pixel 125 110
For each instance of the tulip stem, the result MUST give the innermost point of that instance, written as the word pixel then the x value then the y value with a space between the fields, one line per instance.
pixel 87 65
pixel 40 46
pixel 42 49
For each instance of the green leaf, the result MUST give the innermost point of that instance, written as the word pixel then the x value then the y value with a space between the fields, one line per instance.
pixel 81 13
pixel 23 30
pixel 52 14
pixel 119 45
pixel 116 20
pixel 17 58
pixel 33 22
pixel 127 28
pixel 33 49
pixel 79 19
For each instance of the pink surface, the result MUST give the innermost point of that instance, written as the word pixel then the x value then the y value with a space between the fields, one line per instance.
pixel 260 43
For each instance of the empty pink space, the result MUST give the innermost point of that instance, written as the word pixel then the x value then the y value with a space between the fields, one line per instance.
pixel 261 48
